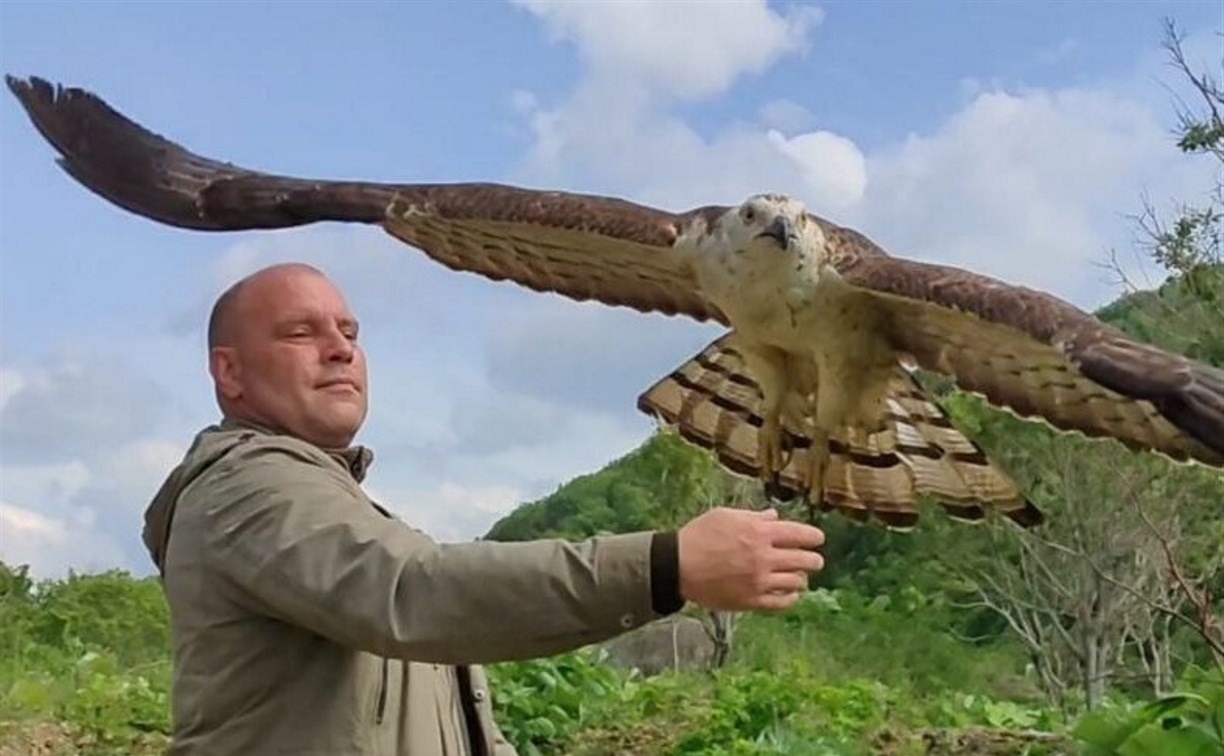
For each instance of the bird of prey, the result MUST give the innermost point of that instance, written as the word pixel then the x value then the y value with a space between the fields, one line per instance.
pixel 811 388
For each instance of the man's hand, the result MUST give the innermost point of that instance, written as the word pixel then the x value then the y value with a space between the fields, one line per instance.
pixel 737 559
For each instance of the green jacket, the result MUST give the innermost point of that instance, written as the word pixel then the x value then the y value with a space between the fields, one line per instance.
pixel 307 620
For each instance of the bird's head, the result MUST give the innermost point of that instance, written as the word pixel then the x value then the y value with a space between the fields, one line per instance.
pixel 766 224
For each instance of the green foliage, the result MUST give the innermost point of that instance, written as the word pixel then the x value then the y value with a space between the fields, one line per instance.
pixel 112 707
pixel 108 611
pixel 907 640
pixel 749 711
pixel 1201 137
pixel 90 651
pixel 541 701
pixel 790 708
pixel 842 673
pixel 1189 722
pixel 1186 313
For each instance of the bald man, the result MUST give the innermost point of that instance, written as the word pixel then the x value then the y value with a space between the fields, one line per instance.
pixel 308 620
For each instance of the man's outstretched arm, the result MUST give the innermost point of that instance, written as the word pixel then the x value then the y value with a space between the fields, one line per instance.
pixel 300 542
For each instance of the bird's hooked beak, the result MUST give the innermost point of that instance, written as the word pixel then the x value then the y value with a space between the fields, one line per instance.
pixel 780 230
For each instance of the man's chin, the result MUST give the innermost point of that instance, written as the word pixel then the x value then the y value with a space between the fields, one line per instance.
pixel 341 426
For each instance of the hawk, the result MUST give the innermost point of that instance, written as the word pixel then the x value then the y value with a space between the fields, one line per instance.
pixel 812 387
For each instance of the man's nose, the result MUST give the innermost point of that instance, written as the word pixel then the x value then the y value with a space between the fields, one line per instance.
pixel 338 347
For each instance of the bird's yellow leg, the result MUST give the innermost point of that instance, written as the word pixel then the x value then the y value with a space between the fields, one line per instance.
pixel 769 449
pixel 818 460
pixel 768 367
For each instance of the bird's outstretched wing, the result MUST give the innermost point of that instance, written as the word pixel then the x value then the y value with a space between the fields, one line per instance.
pixel 1039 356
pixel 1022 349
pixel 581 246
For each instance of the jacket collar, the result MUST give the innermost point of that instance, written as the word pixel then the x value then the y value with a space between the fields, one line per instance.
pixel 356 459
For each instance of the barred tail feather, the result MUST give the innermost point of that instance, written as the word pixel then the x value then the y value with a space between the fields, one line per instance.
pixel 714 402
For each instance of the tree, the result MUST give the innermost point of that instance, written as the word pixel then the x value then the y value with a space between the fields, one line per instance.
pixel 1186 313
pixel 1191 306
pixel 1133 553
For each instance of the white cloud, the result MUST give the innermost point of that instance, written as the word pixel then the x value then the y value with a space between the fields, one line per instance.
pixel 24 524
pixel 592 440
pixel 51 485
pixel 641 59
pixel 1030 187
pixel 71 404
pixel 1057 53
pixel 582 144
pixel 127 476
pixel 85 513
pixel 51 545
pixel 521 451
pixel 833 170
pixel 495 499
pixel 523 102
pixel 11 383
pixel 589 355
pixel 389 279
pixel 83 454
pixel 456 495
pixel 786 115
pixel 498 421
pixel 448 510
pixel 677 49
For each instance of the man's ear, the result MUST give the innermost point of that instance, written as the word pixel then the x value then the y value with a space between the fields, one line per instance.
pixel 226 371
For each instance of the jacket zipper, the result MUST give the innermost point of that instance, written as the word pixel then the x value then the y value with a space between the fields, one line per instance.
pixel 382 694
pixel 471 716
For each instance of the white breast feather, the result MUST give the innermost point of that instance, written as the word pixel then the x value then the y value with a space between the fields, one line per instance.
pixel 782 299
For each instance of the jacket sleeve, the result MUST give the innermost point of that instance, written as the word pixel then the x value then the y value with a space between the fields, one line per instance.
pixel 301 542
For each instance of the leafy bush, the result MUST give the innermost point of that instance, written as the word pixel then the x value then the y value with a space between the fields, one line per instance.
pixel 906 639
pixel 542 701
pixel 1189 722
pixel 90 651
pixel 112 707
pixel 734 712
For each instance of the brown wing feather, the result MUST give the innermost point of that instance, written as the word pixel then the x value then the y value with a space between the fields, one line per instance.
pixel 715 403
pixel 580 246
pixel 1039 356
pixel 587 248
pixel 153 177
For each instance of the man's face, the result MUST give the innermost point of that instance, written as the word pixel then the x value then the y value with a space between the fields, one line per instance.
pixel 294 363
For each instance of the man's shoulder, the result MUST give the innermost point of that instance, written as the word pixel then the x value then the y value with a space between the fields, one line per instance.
pixel 231 465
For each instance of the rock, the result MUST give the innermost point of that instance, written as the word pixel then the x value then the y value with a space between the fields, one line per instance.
pixel 677 642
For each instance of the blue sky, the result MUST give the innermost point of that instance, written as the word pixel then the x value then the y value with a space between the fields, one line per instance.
pixel 1011 137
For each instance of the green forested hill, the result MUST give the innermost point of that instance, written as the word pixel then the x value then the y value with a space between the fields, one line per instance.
pixel 654 485
pixel 1185 314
